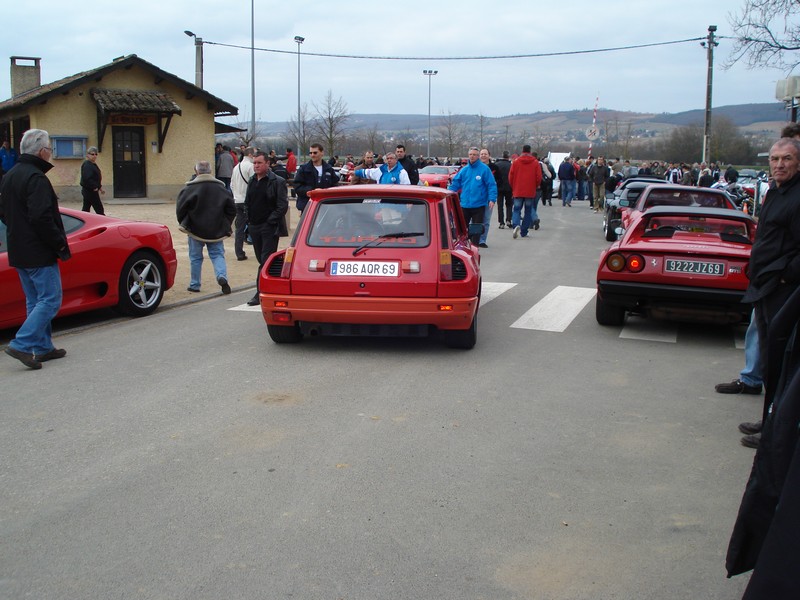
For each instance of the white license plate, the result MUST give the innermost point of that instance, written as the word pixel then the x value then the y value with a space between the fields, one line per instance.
pixel 695 266
pixel 365 268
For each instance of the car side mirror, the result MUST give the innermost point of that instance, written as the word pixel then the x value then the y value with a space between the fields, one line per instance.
pixel 624 202
pixel 475 229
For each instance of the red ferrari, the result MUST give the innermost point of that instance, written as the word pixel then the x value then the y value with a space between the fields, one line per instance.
pixel 436 176
pixel 681 263
pixel 126 265
pixel 375 260
pixel 673 195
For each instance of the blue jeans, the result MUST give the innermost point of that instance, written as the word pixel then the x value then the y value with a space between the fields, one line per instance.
pixel 42 287
pixel 568 191
pixel 216 253
pixel 530 213
pixel 487 223
pixel 751 374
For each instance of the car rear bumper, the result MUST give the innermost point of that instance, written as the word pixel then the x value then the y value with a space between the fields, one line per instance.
pixel 369 311
pixel 672 301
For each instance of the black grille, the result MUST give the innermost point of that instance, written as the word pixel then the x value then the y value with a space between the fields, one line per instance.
pixel 276 266
pixel 459 269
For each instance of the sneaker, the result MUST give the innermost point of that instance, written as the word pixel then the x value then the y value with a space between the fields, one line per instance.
pixel 27 359
pixel 254 301
pixel 515 235
pixel 482 245
pixel 751 441
pixel 750 428
pixel 191 289
pixel 536 225
pixel 737 386
pixel 502 226
pixel 508 224
pixel 51 355
pixel 223 283
pixel 243 257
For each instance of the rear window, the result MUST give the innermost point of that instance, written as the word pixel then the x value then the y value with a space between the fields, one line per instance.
pixel 668 225
pixel 353 221
pixel 687 198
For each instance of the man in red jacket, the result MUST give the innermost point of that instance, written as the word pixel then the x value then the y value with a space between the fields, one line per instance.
pixel 525 178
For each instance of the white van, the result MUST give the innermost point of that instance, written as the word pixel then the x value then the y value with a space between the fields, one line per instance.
pixel 556 158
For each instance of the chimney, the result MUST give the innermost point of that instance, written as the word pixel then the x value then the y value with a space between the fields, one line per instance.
pixel 26 74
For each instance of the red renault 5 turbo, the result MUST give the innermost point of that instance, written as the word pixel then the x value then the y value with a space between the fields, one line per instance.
pixel 375 260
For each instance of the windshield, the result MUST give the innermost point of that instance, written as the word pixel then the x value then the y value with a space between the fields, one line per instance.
pixel 435 170
pixel 352 222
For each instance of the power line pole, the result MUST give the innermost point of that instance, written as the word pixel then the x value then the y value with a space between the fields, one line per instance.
pixel 709 45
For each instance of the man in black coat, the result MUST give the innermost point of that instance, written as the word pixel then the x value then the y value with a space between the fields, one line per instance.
pixel 505 200
pixel 266 204
pixel 36 240
pixel 408 164
pixel 316 173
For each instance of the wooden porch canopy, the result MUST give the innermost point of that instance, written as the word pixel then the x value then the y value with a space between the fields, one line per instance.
pixel 133 107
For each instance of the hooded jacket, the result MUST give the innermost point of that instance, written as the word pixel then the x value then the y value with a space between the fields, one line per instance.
pixel 29 207
pixel 205 209
pixel 475 185
pixel 525 176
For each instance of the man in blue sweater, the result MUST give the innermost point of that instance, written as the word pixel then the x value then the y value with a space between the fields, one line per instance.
pixel 476 188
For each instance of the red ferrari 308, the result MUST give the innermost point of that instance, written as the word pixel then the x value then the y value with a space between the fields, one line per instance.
pixel 126 265
pixel 375 260
pixel 681 263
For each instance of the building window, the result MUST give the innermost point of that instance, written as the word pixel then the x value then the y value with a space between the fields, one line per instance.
pixel 68 147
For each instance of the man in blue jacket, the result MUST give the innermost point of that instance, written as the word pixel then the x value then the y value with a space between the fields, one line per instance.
pixel 476 189
pixel 391 172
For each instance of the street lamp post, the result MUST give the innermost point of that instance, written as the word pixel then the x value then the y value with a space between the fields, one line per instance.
pixel 429 73
pixel 300 133
pixel 709 45
pixel 252 73
pixel 198 58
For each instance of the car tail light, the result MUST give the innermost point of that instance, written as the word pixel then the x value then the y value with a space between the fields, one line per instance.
pixel 410 266
pixel 288 256
pixel 445 265
pixel 282 317
pixel 316 265
pixel 446 307
pixel 635 263
pixel 615 262
pixel 281 304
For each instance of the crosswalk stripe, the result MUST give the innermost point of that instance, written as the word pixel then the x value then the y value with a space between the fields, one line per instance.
pixel 557 310
pixel 245 308
pixel 492 289
pixel 646 330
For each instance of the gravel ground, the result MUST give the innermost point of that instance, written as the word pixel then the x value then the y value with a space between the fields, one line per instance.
pixel 241 274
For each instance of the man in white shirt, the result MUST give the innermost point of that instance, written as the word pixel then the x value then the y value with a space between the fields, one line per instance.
pixel 239 178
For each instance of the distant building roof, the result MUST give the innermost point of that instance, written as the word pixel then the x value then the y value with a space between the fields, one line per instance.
pixel 135 101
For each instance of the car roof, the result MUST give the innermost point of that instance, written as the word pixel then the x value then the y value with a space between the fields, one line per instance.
pixel 420 192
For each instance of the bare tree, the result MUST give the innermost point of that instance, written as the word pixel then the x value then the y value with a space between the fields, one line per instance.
pixel 247 137
pixel 452 133
pixel 767 34
pixel 299 136
pixel 330 120
pixel 483 123
pixel 540 140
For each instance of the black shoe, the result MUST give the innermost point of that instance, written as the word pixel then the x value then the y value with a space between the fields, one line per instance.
pixel 750 428
pixel 191 289
pixel 29 360
pixel 223 283
pixel 243 257
pixel 751 441
pixel 482 245
pixel 254 301
pixel 536 224
pixel 502 225
pixel 737 386
pixel 508 224
pixel 51 355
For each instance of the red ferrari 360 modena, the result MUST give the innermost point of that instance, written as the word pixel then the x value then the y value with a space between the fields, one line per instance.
pixel 375 260
pixel 682 263
pixel 126 265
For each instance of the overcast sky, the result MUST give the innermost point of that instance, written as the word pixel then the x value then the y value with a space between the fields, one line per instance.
pixel 72 36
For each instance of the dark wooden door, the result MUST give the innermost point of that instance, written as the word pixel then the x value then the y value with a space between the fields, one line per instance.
pixel 129 172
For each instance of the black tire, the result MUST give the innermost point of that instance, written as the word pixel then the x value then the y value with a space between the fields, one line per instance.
pixel 608 314
pixel 141 284
pixel 285 334
pixel 464 339
pixel 610 229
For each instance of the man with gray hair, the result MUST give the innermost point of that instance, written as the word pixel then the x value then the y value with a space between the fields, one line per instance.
pixel 36 240
pixel 205 211
pixel 241 176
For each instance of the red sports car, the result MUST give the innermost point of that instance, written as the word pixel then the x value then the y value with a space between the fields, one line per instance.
pixel 375 260
pixel 673 195
pixel 436 176
pixel 127 265
pixel 682 263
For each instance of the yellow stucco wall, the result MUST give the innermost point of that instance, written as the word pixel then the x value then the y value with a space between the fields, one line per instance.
pixel 190 137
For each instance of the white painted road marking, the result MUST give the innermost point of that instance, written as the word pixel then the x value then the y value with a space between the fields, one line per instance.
pixel 492 290
pixel 245 308
pixel 557 310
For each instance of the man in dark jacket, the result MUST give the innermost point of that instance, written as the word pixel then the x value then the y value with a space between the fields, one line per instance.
pixel 505 200
pixel 205 211
pixel 36 240
pixel 408 164
pixel 92 183
pixel 266 203
pixel 598 176
pixel 316 173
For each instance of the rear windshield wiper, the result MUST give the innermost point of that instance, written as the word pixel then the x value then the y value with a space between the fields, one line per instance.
pixel 386 236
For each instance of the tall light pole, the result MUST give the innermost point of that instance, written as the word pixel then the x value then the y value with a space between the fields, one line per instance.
pixel 198 58
pixel 430 75
pixel 300 133
pixel 709 45
pixel 252 73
